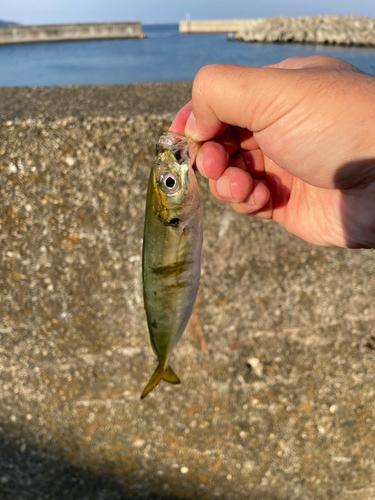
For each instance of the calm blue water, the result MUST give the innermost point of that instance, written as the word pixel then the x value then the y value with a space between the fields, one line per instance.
pixel 164 56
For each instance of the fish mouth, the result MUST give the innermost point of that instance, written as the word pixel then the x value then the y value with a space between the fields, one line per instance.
pixel 182 148
pixel 173 222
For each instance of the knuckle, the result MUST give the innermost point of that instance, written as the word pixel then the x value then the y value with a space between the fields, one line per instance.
pixel 205 78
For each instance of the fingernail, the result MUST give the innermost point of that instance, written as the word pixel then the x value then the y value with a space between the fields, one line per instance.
pixel 222 187
pixel 191 125
pixel 172 125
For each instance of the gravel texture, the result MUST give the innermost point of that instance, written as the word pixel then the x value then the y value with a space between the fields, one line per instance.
pixel 277 399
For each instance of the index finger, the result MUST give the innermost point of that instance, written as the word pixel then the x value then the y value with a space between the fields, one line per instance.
pixel 179 122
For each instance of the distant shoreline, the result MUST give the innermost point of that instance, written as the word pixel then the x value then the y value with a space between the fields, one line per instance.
pixel 328 30
pixel 8 23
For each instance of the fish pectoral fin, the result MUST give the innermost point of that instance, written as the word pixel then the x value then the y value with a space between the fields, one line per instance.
pixel 159 374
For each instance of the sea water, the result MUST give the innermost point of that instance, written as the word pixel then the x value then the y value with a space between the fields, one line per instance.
pixel 165 55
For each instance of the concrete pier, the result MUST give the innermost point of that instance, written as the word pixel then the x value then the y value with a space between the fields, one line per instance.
pixel 69 32
pixel 214 26
pixel 278 403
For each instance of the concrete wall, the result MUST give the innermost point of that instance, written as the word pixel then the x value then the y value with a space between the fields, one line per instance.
pixel 63 32
pixel 74 347
pixel 216 26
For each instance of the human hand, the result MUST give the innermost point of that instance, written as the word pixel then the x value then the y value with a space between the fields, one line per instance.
pixel 294 142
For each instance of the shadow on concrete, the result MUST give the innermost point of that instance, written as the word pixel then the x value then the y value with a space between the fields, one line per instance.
pixel 356 182
pixel 31 474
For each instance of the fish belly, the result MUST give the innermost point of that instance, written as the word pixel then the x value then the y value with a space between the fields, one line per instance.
pixel 171 270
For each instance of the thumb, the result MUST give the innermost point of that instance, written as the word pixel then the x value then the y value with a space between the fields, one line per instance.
pixel 242 96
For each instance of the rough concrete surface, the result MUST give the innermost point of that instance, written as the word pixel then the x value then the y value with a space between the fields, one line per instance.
pixel 277 399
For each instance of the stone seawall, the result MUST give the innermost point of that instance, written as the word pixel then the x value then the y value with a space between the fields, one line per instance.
pixel 279 401
pixel 68 32
pixel 333 30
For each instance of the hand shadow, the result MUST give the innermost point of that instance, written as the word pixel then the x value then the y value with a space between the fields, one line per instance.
pixel 357 209
pixel 356 181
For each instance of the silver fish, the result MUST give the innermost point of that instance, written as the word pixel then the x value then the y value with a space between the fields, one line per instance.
pixel 172 247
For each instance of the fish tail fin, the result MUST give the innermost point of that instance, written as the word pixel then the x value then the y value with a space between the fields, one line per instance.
pixel 160 374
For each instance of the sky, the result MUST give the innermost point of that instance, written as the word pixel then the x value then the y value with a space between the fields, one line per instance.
pixel 171 11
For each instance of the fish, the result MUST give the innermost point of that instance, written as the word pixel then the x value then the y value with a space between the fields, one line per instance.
pixel 172 246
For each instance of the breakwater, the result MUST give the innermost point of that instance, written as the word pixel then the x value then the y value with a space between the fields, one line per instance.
pixel 69 32
pixel 74 347
pixel 213 26
pixel 332 30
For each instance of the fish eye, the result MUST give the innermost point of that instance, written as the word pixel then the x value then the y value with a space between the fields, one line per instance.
pixel 169 184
